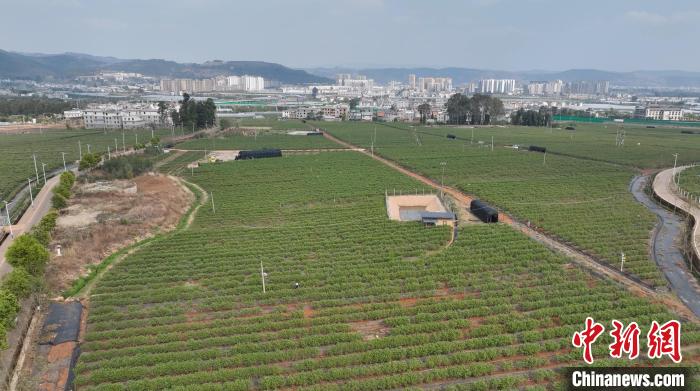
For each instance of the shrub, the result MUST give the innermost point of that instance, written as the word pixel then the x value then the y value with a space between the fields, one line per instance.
pixel 127 167
pixel 8 307
pixel 58 201
pixel 67 178
pixel 19 282
pixel 89 160
pixel 63 190
pixel 28 253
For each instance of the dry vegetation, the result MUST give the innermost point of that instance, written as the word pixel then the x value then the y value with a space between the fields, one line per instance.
pixel 104 216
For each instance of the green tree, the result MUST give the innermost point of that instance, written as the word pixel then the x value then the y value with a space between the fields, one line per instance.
pixel 28 253
pixel 8 307
pixel 162 111
pixel 458 109
pixel 424 110
pixel 19 282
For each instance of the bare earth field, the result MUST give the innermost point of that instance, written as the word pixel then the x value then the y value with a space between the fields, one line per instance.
pixel 105 216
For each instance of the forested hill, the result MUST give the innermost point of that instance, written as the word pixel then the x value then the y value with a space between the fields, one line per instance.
pixel 69 65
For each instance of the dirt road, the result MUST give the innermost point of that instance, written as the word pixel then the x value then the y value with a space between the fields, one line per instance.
pixel 595 266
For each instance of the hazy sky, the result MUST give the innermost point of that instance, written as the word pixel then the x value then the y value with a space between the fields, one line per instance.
pixel 499 34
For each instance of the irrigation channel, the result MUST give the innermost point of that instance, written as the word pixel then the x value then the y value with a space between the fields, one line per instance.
pixel 666 247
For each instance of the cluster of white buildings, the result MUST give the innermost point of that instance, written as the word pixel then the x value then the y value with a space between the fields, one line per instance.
pixel 327 112
pixel 430 84
pixel 497 86
pixel 664 113
pixel 358 81
pixel 553 87
pixel 243 83
pixel 120 116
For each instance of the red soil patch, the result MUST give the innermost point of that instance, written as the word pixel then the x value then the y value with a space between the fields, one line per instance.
pixel 61 351
pixel 408 301
pixel 370 329
pixel 308 312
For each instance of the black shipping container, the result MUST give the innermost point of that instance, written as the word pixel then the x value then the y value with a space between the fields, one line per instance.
pixel 259 154
pixel 451 136
pixel 483 211
pixel 314 134
pixel 535 148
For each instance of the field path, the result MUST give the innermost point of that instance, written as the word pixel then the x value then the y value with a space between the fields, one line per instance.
pixel 667 191
pixel 597 267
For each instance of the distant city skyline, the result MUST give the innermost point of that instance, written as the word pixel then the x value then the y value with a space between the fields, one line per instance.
pixel 510 35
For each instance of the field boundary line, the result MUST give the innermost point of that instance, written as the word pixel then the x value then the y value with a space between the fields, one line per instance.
pixel 597 267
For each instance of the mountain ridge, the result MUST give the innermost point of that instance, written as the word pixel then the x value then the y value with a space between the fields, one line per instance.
pixel 66 66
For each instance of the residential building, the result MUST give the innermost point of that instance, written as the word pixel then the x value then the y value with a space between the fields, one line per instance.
pixel 434 84
pixel 497 86
pixel 412 81
pixel 219 83
pixel 664 113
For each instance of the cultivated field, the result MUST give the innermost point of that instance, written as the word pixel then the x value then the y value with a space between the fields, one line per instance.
pixel 381 304
pixel 260 139
pixel 583 200
pixel 16 150
pixel 689 180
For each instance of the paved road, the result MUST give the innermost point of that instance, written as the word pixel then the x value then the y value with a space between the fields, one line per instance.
pixel 33 214
pixel 666 250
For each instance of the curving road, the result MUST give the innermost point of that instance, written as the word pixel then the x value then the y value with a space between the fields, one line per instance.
pixel 666 190
pixel 666 248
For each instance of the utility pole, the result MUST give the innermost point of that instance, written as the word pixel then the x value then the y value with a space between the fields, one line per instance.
pixel 137 139
pixel 442 181
pixel 109 156
pixel 123 142
pixel 622 260
pixel 9 222
pixel 262 275
pixel 43 170
pixel 213 208
pixel 491 143
pixel 36 171
pixel 63 155
pixel 80 151
pixel 675 160
pixel 544 159
pixel 31 196
pixel 88 148
pixel 116 146
pixel 472 142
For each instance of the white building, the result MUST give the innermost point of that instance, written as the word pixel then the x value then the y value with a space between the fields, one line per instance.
pixel 73 114
pixel 359 81
pixel 664 114
pixel 497 86
pixel 434 84
pixel 219 83
pixel 129 116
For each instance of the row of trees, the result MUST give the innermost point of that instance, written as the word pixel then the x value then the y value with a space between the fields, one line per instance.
pixel 33 106
pixel 477 110
pixel 194 113
pixel 541 117
pixel 28 256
